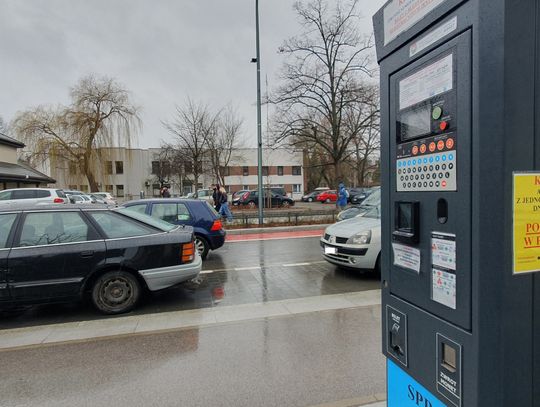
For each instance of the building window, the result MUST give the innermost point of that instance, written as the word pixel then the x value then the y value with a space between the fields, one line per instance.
pixel 188 167
pixel 119 167
pixel 297 188
pixel 156 188
pixel 109 189
pixel 265 171
pixel 72 168
pixel 225 171
pixel 72 187
pixel 245 171
pixel 155 167
pixel 296 170
pixel 280 170
pixel 83 188
pixel 108 167
pixel 120 191
pixel 245 187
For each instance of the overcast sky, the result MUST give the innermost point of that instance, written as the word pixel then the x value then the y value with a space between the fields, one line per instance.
pixel 161 50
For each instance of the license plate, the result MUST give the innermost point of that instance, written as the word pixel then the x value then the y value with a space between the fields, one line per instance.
pixel 330 250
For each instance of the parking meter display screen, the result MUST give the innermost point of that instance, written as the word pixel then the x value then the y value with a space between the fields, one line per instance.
pixel 404 216
pixel 415 123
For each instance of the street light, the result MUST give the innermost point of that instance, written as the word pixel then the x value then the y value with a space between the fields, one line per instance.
pixel 257 60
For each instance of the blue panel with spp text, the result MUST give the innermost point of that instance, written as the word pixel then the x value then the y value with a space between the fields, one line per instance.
pixel 404 391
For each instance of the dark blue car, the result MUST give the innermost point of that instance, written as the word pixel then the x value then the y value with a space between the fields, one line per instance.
pixel 206 223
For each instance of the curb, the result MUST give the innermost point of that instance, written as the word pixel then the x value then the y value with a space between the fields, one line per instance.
pixel 271 229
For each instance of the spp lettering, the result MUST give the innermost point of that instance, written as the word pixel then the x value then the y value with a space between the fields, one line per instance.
pixel 417 397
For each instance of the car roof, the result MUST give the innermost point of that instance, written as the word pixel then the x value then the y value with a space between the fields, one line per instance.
pixel 153 200
pixel 16 206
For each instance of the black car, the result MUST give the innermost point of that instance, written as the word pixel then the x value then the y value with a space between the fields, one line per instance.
pixel 311 197
pixel 67 252
pixel 251 199
pixel 357 195
pixel 206 222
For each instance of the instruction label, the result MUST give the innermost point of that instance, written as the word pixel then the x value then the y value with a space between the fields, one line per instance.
pixel 434 36
pixel 526 222
pixel 443 273
pixel 406 257
pixel 400 15
pixel 430 81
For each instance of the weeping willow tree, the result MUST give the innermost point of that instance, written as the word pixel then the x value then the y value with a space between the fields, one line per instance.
pixel 100 116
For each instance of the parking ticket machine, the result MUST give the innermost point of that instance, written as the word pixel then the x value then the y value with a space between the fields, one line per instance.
pixel 460 158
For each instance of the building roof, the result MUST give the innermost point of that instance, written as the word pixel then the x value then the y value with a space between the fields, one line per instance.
pixel 22 172
pixel 9 141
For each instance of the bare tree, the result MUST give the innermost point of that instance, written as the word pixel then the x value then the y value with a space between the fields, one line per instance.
pixel 3 126
pixel 321 82
pixel 224 141
pixel 192 126
pixel 99 116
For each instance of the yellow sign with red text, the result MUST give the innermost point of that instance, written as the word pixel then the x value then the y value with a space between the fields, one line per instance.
pixel 526 214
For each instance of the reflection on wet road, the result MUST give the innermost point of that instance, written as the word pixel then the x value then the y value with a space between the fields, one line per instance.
pixel 238 273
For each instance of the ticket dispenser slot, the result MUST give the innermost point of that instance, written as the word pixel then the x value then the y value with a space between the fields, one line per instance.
pixel 407 221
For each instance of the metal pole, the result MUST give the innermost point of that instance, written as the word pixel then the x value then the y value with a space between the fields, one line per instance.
pixel 259 134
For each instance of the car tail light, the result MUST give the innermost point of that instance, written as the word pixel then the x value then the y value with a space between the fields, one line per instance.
pixel 188 252
pixel 59 200
pixel 245 196
pixel 216 226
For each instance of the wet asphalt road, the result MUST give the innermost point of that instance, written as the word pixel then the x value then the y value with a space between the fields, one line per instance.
pixel 304 360
pixel 238 273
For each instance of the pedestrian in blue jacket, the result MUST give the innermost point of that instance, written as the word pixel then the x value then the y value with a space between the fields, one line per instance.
pixel 343 194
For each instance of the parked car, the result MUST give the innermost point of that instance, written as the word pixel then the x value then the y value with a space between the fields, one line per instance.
pixel 39 196
pixel 327 196
pixel 237 195
pixel 373 200
pixel 354 243
pixel 204 194
pixel 359 194
pixel 59 253
pixel 206 222
pixel 312 196
pixel 106 197
pixel 251 199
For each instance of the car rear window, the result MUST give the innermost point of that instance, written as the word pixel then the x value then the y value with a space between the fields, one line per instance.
pixel 154 222
pixel 116 225
pixel 60 193
pixel 42 193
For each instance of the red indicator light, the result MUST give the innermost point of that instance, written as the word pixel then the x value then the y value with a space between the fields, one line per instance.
pixel 449 143
pixel 423 148
pixel 440 145
pixel 432 146
pixel 443 125
pixel 415 150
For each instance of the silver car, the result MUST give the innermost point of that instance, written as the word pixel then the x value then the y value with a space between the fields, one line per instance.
pixel 39 196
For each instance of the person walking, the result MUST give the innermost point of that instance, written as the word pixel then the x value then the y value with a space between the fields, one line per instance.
pixel 343 194
pixel 224 209
pixel 216 197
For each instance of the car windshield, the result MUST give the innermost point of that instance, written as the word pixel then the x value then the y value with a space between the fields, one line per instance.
pixel 157 223
pixel 373 200
pixel 373 212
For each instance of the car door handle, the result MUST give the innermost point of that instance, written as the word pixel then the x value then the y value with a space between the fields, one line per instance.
pixel 87 253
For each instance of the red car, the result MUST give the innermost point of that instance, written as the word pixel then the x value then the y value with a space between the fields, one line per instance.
pixel 327 196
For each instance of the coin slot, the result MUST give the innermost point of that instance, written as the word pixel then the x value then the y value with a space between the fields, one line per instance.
pixel 442 210
pixel 449 358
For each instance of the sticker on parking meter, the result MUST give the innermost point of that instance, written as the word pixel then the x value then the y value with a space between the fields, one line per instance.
pixel 406 257
pixel 430 81
pixel 400 15
pixel 443 250
pixel 526 222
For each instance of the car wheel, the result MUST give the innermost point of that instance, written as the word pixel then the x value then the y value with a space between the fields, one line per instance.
pixel 327 200
pixel 202 246
pixel 377 268
pixel 116 292
pixel 310 200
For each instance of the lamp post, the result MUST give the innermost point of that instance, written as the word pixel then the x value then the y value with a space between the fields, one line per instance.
pixel 259 134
